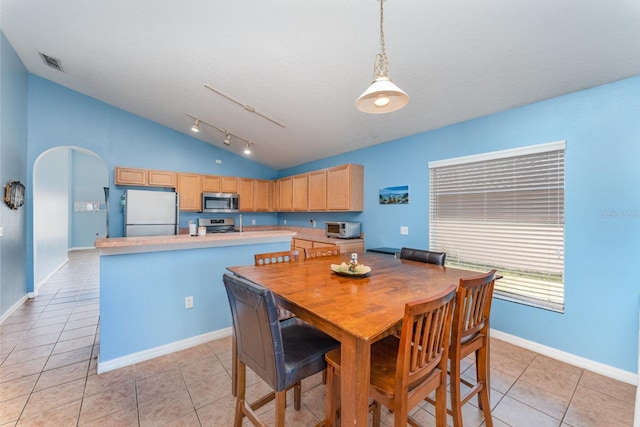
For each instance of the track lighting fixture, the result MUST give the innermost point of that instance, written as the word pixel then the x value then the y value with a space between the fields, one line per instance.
pixel 227 135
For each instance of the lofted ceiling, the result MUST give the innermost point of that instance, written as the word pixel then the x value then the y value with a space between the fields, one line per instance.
pixel 303 63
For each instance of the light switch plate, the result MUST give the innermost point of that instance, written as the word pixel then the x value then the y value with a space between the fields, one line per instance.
pixel 1 231
pixel 404 229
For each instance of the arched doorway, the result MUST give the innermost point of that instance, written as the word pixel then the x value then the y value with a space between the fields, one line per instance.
pixel 68 206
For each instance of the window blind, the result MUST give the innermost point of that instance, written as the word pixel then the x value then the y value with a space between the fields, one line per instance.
pixel 504 210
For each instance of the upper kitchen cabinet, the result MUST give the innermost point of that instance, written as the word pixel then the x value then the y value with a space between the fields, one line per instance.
pixel 211 184
pixel 318 190
pixel 345 188
pixel 245 191
pixel 130 176
pixel 190 189
pixel 262 196
pixel 285 188
pixel 161 179
pixel 229 184
pixel 273 199
pixel 300 192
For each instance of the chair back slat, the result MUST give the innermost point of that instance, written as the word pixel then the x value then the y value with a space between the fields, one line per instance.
pixel 275 257
pixel 321 251
pixel 473 305
pixel 424 340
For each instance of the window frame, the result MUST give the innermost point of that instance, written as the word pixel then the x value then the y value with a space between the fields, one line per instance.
pixel 480 196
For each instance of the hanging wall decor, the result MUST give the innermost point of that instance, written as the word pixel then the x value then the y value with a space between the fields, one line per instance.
pixel 14 194
pixel 398 195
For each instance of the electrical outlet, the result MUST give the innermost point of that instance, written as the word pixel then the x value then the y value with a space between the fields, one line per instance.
pixel 285 222
pixel 404 230
pixel 218 161
pixel 253 222
pixel 313 222
pixel 188 302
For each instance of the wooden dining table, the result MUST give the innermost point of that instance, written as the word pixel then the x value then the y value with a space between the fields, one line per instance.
pixel 357 311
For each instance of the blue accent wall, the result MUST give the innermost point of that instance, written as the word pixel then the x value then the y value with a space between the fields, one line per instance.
pixel 89 176
pixel 13 167
pixel 142 296
pixel 602 202
pixel 600 125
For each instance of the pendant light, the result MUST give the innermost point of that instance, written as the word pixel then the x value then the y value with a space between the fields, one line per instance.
pixel 383 96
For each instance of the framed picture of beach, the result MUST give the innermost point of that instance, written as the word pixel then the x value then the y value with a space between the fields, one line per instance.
pixel 398 195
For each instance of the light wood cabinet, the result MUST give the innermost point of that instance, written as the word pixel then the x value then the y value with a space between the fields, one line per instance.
pixel 300 192
pixel 261 195
pixel 273 197
pixel 130 176
pixel 245 191
pixel 190 189
pixel 335 189
pixel 229 184
pixel 286 194
pixel 346 246
pixel 318 190
pixel 165 179
pixel 210 184
pixel 345 188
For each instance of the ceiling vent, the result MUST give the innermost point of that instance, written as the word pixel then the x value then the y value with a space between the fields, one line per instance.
pixel 51 61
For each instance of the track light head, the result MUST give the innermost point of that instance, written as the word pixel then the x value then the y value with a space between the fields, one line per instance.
pixel 196 126
pixel 227 139
pixel 247 149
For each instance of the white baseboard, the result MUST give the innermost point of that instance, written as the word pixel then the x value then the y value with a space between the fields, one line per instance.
pixel 144 355
pixel 12 309
pixel 572 359
pixel 49 276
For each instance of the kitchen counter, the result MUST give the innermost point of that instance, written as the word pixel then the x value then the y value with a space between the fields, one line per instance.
pixel 144 282
pixel 125 245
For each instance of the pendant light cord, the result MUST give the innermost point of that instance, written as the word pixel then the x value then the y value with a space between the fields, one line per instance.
pixel 381 65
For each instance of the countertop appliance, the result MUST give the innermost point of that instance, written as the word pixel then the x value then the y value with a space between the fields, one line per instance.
pixel 218 225
pixel 220 202
pixel 342 229
pixel 150 213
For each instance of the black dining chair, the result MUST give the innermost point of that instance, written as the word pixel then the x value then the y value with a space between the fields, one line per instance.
pixel 422 255
pixel 282 353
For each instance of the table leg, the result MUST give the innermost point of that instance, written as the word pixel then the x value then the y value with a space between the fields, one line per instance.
pixel 355 364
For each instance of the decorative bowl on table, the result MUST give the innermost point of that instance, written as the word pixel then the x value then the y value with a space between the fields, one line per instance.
pixel 349 270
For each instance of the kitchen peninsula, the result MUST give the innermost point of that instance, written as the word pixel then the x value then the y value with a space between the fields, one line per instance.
pixel 146 282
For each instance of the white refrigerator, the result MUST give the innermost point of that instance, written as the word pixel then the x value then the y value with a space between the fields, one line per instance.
pixel 151 213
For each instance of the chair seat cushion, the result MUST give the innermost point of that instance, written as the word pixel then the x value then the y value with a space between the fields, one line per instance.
pixel 304 349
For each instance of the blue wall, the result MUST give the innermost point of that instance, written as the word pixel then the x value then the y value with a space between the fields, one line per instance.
pixel 89 176
pixel 602 245
pixel 142 296
pixel 62 117
pixel 602 131
pixel 13 167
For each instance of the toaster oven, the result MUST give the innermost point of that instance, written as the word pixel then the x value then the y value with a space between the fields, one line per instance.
pixel 342 229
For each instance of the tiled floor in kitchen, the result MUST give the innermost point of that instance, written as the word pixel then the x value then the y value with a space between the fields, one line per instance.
pixel 48 377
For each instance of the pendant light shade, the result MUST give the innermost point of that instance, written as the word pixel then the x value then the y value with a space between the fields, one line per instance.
pixel 383 96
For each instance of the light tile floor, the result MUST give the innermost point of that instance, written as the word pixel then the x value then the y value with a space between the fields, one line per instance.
pixel 48 359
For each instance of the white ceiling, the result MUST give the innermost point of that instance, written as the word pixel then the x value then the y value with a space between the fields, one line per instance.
pixel 303 63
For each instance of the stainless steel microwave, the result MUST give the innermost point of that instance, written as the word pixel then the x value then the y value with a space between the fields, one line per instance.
pixel 342 229
pixel 220 202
